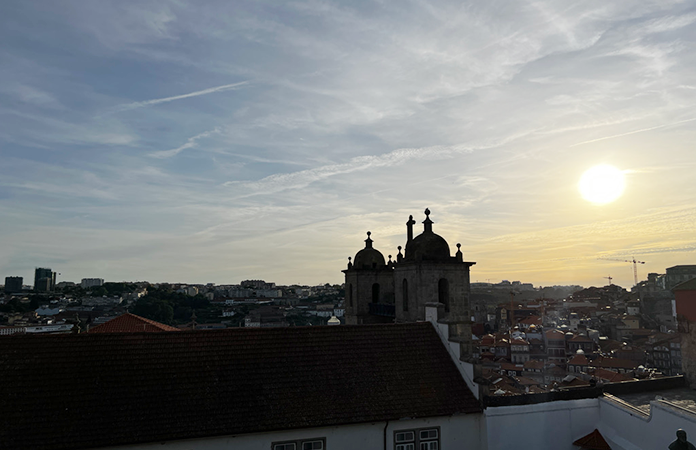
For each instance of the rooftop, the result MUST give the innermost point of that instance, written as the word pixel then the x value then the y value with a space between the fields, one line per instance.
pixel 130 323
pixel 127 388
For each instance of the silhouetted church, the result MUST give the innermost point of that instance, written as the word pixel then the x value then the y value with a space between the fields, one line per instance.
pixel 379 291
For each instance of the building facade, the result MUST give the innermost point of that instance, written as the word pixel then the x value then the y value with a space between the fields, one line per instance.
pixel 13 284
pixel 44 280
pixel 379 291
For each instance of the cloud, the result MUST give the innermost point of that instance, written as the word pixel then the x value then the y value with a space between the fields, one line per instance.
pixel 190 143
pixel 157 101
pixel 679 122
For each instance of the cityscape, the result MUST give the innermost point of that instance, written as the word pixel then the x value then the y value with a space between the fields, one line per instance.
pixel 333 225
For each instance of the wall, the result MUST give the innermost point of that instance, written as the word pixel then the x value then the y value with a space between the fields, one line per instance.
pixel 453 348
pixel 457 432
pixel 630 430
pixel 552 425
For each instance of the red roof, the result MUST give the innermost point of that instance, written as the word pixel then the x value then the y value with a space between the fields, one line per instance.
pixel 593 441
pixel 534 364
pixel 580 338
pixel 611 376
pixel 555 334
pixel 511 366
pixel 531 320
pixel 578 360
pixel 130 323
pixel 614 363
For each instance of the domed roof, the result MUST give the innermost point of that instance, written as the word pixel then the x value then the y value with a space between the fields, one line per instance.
pixel 428 246
pixel 368 258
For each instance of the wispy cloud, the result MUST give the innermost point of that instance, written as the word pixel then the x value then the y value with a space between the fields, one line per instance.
pixel 679 122
pixel 191 142
pixel 157 101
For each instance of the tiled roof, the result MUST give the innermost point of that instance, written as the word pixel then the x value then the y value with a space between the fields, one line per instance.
pixel 555 334
pixel 618 363
pixel 511 366
pixel 593 441
pixel 611 376
pixel 579 360
pixel 130 323
pixel 92 390
pixel 580 338
pixel 531 320
pixel 534 364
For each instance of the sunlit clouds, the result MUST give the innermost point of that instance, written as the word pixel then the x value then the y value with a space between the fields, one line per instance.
pixel 179 141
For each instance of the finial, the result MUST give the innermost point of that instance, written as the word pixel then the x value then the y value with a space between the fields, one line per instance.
pixel 349 258
pixel 389 258
pixel 410 217
pixel 350 264
pixel 368 241
pixel 427 223
pixel 399 248
pixel 459 245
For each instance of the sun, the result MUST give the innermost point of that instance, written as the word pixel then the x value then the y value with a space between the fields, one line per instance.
pixel 601 184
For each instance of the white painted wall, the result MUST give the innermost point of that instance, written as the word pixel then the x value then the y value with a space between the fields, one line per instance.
pixel 552 425
pixel 456 432
pixel 627 430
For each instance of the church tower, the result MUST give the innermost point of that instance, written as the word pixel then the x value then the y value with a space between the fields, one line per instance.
pixel 397 291
pixel 369 287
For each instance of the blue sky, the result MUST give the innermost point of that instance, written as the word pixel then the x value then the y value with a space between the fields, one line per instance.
pixel 221 141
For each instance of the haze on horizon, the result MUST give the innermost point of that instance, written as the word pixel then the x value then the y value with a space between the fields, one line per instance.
pixel 216 142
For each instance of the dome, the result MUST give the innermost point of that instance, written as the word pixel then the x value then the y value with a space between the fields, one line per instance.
pixel 368 258
pixel 428 246
pixel 334 321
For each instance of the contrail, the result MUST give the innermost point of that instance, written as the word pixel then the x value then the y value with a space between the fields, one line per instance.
pixel 634 132
pixel 157 101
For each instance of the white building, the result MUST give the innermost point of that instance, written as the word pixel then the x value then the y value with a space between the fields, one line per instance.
pixel 91 282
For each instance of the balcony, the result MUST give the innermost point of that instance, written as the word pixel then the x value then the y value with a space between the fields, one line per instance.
pixel 382 309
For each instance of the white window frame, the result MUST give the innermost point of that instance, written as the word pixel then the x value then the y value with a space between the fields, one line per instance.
pixel 299 443
pixel 418 440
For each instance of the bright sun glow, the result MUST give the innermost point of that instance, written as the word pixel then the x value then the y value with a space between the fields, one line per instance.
pixel 601 184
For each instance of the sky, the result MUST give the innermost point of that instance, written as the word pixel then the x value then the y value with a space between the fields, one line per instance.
pixel 182 141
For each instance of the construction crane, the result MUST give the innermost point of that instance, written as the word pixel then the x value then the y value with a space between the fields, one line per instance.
pixel 635 266
pixel 609 278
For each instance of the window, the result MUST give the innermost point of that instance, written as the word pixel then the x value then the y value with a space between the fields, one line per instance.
pixel 286 446
pixel 350 295
pixel 420 439
pixel 375 293
pixel 303 444
pixel 443 293
pixel 404 294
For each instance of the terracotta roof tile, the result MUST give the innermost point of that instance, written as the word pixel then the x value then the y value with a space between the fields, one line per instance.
pixel 126 388
pixel 130 323
pixel 579 360
pixel 593 441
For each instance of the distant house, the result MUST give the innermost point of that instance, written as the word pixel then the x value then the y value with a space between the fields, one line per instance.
pixel 130 323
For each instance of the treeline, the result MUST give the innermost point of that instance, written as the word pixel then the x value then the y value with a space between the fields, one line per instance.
pixel 167 306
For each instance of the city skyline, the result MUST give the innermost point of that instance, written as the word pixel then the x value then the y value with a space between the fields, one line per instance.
pixel 166 141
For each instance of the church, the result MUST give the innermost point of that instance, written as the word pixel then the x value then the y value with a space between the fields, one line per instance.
pixel 379 291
